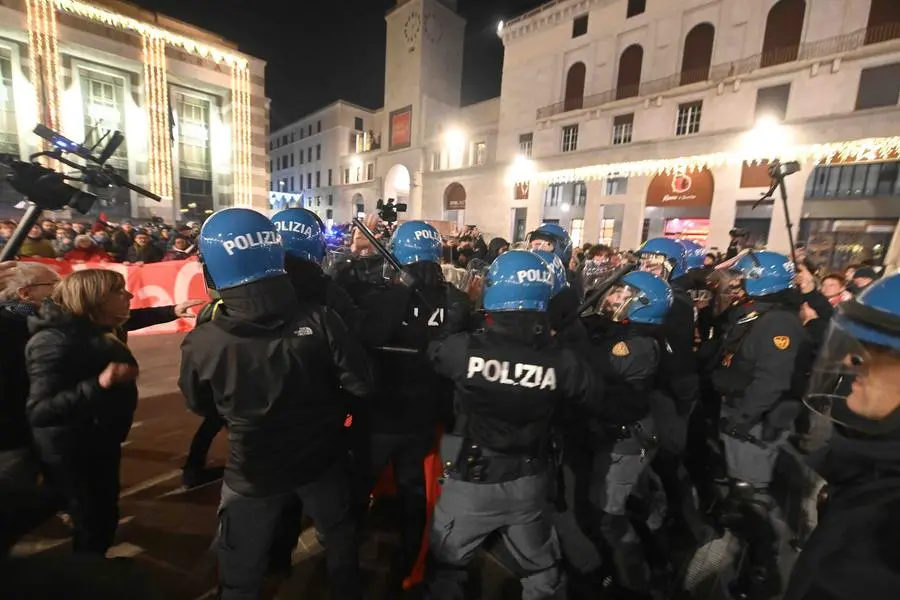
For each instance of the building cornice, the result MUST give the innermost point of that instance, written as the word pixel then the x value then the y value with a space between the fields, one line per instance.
pixel 547 15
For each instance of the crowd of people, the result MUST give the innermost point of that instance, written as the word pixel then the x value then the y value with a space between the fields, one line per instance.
pixel 596 404
pixel 101 241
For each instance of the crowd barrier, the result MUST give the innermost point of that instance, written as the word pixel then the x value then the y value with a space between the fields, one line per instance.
pixel 157 284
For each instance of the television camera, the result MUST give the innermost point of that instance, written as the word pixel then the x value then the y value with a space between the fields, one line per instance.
pixel 388 211
pixel 46 189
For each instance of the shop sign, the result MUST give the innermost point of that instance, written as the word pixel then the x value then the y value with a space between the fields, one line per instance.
pixel 694 188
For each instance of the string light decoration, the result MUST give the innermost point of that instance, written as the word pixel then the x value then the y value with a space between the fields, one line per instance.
pixel 241 146
pixel 862 150
pixel 157 102
pixel 113 19
pixel 44 57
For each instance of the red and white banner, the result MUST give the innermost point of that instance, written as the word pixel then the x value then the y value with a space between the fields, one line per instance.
pixel 157 284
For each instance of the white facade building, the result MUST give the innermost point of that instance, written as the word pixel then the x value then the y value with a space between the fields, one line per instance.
pixel 192 107
pixel 594 89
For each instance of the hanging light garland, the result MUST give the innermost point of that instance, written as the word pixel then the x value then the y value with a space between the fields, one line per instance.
pixel 241 146
pixel 863 150
pixel 44 57
pixel 157 102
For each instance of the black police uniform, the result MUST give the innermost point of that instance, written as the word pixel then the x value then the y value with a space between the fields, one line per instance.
pixel 853 552
pixel 511 380
pixel 754 376
pixel 274 369
pixel 411 399
pixel 623 441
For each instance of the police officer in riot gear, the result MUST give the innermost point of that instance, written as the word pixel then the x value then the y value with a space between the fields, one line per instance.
pixel 626 335
pixel 553 238
pixel 754 376
pixel 273 368
pixel 563 302
pixel 853 553
pixel 412 398
pixel 510 381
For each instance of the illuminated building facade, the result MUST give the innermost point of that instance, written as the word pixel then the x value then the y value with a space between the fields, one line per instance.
pixel 191 106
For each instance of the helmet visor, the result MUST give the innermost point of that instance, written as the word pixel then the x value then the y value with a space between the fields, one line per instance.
pixel 855 384
pixel 541 244
pixel 595 274
pixel 334 259
pixel 656 264
pixel 616 303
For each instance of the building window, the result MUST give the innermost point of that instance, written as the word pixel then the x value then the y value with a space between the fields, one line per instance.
pixel 195 168
pixel 635 7
pixel 329 215
pixel 784 28
pixel 284 162
pixel 771 102
pixel 301 182
pixel 688 121
pixel 318 126
pixel 309 181
pixel 526 143
pixel 284 140
pixel 884 21
pixel 318 151
pixel 436 161
pixel 346 176
pixel 370 171
pixel 358 174
pixel 879 86
pixel 579 26
pixel 329 177
pixel 292 183
pixel 607 231
pixel 358 123
pixel 309 154
pixel 104 111
pixel 575 87
pixel 616 186
pixel 861 180
pixel 697 57
pixel 580 196
pixel 553 195
pixel 480 153
pixel 631 64
pixel 302 153
pixel 318 178
pixel 302 133
pixel 570 138
pixel 309 129
pixel 577 232
pixel 330 200
pixel 292 159
pixel 623 125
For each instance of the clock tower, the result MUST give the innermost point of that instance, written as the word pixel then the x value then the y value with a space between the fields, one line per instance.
pixel 422 83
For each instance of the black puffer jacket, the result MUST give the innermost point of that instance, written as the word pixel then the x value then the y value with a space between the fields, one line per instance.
pixel 274 369
pixel 14 430
pixel 67 408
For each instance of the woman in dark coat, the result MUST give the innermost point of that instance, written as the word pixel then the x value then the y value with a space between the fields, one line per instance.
pixel 82 398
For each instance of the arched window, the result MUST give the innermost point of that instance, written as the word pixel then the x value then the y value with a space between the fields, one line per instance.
pixel 630 64
pixel 784 28
pixel 697 58
pixel 575 86
pixel 884 21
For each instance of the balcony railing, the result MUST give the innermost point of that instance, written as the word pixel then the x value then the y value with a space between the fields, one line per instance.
pixel 806 51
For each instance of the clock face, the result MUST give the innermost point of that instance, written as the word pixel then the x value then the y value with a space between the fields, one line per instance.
pixel 433 30
pixel 413 27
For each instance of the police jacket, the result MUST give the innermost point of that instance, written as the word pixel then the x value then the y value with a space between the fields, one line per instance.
pixel 627 357
pixel 758 356
pixel 314 286
pixel 679 328
pixel 853 552
pixel 510 381
pixel 14 430
pixel 411 396
pixel 274 369
pixel 68 411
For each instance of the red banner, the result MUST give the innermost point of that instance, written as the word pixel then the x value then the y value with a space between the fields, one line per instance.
pixel 158 284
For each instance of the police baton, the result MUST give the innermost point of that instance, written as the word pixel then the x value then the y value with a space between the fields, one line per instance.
pixel 396 350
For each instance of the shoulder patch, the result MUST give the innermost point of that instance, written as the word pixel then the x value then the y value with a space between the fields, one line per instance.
pixel 621 350
pixel 303 332
pixel 782 342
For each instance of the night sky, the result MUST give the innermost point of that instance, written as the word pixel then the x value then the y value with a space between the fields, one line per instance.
pixel 337 50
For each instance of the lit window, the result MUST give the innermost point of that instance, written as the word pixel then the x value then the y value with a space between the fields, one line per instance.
pixel 688 121
pixel 480 153
pixel 526 142
pixel 623 125
pixel 616 186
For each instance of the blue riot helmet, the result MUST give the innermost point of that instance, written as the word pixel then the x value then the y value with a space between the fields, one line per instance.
pixel 765 272
pixel 417 241
pixel 518 280
pixel 637 297
pixel 240 246
pixel 694 254
pixel 302 233
pixel 854 380
pixel 560 281
pixel 554 238
pixel 663 257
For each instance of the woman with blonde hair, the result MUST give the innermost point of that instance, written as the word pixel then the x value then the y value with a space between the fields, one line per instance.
pixel 82 398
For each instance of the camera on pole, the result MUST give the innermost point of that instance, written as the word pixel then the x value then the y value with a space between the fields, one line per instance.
pixel 388 212
pixel 47 189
